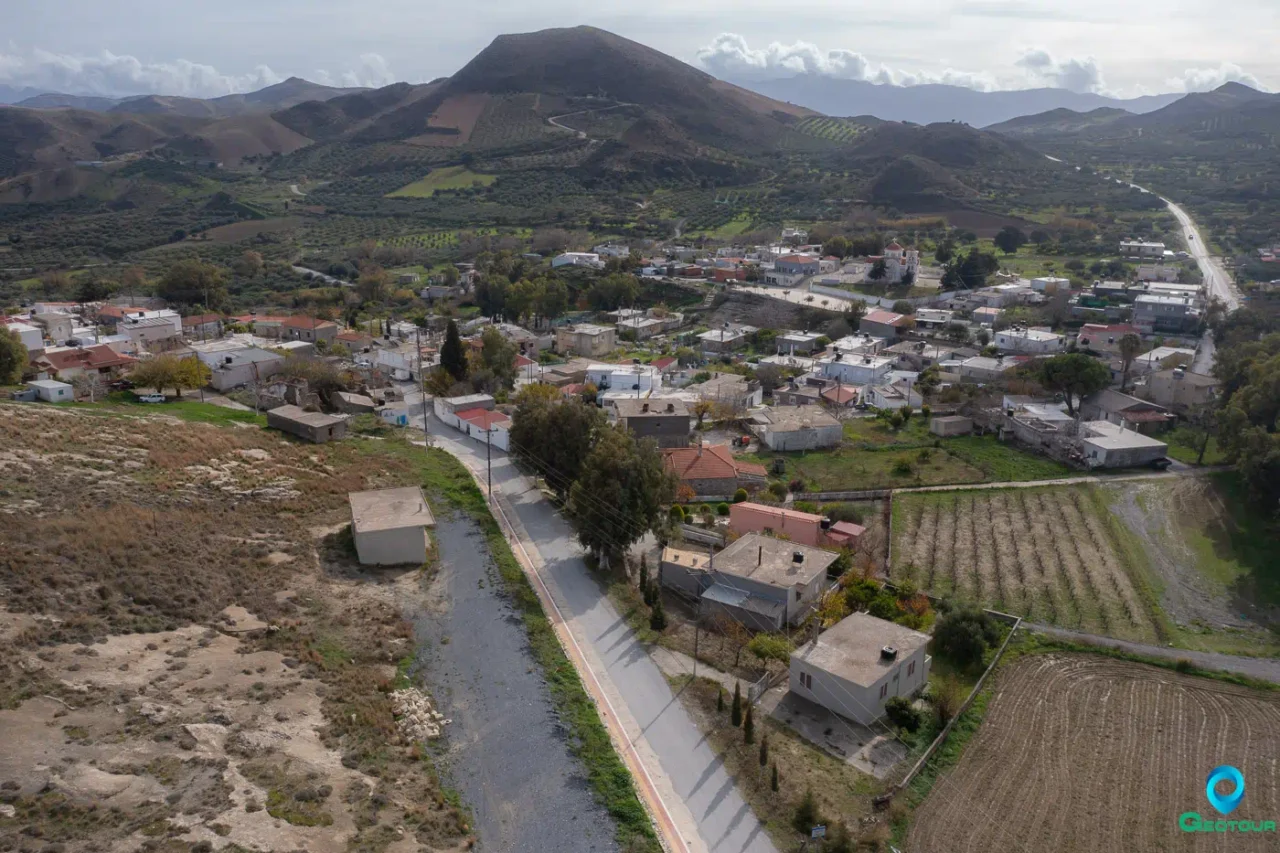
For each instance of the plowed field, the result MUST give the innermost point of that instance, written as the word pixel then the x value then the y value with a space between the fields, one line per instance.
pixel 1080 753
pixel 1050 555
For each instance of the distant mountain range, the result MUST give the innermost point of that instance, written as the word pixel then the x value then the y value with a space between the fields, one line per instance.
pixel 280 96
pixel 936 102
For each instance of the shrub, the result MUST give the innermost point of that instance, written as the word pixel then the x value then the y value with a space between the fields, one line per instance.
pixel 769 647
pixel 883 606
pixel 658 618
pixel 749 726
pixel 861 593
pixel 903 466
pixel 676 514
pixel 796 485
pixel 842 512
pixel 963 636
pixel 735 710
pixel 947 696
pixel 926 411
pixel 739 496
pixel 903 714
pixel 806 506
pixel 924 455
pixel 778 489
pixel 722 509
pixel 806 816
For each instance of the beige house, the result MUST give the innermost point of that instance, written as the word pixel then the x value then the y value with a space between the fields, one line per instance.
pixel 1179 389
pixel 586 339
pixel 389 526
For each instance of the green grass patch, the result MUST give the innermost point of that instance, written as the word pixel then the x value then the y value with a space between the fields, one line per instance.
pixel 1003 463
pixel 448 178
pixel 126 403
pixel 1184 446
pixel 447 480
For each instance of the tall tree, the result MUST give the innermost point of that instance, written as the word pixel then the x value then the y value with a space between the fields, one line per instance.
pixel 1076 375
pixel 1130 348
pixel 13 356
pixel 1010 239
pixel 620 493
pixel 498 355
pixel 453 357
pixel 878 270
pixel 193 282
pixel 553 435
pixel 374 283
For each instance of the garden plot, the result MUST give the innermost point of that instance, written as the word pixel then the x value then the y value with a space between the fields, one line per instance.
pixel 1050 555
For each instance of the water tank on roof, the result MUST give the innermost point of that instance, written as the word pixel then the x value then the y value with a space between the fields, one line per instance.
pixel 889 653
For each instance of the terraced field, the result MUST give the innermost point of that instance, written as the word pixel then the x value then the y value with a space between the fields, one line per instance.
pixel 1050 555
pixel 1084 754
pixel 839 130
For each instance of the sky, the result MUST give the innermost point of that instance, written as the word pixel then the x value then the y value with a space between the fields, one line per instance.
pixel 1122 48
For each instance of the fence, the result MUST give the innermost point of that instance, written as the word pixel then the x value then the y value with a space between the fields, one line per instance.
pixel 868 495
pixel 880 301
pixel 766 683
pixel 704 537
pixel 1015 622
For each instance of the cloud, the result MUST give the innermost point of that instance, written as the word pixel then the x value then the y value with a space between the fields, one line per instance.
pixel 729 55
pixel 113 75
pixel 1206 79
pixel 1078 74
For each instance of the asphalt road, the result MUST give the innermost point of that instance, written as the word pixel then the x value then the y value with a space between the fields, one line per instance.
pixel 1217 283
pixel 702 797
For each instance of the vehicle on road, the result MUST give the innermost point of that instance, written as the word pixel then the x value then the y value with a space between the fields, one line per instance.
pixel 151 398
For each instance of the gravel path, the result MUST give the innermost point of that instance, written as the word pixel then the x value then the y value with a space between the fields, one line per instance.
pixel 1266 669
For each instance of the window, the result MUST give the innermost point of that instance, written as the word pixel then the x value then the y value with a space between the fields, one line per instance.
pixel 911 669
pixel 884 689
pixel 797 595
pixel 806 679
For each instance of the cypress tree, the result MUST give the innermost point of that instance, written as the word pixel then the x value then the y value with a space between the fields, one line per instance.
pixel 735 712
pixel 644 571
pixel 657 619
pixel 749 727
pixel 764 749
pixel 774 782
pixel 720 700
pixel 452 357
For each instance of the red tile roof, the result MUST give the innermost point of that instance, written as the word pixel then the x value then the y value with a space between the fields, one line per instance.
pixel 88 358
pixel 353 337
pixel 524 361
pixel 483 418
pixel 663 363
pixel 895 246
pixel 715 462
pixel 841 395
pixel 779 512
pixel 887 318
pixel 117 312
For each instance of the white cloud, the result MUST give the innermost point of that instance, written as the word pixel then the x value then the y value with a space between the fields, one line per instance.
pixel 113 75
pixel 729 55
pixel 1079 74
pixel 1206 79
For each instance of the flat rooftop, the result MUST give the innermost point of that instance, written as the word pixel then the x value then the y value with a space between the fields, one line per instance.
pixel 389 509
pixel 652 407
pixel 301 416
pixel 1111 436
pixel 771 561
pixel 850 649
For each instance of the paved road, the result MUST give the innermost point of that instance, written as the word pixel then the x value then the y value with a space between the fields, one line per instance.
pixel 1217 283
pixel 1267 669
pixel 701 797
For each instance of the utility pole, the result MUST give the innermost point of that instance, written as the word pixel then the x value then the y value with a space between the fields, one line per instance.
pixel 422 385
pixel 488 457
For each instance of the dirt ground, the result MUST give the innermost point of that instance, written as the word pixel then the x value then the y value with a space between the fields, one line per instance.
pixel 191 659
pixel 1157 513
pixel 1085 753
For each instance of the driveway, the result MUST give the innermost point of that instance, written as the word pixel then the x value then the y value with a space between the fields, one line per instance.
pixel 689 778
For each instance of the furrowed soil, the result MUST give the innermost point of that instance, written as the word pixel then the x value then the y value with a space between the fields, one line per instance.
pixel 1081 753
pixel 1050 555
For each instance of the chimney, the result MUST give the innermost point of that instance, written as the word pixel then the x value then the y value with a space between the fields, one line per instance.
pixel 644 407
pixel 797 557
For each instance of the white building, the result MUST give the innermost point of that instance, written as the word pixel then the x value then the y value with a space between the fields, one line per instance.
pixel 1108 445
pixel 1030 341
pixel 32 337
pixel 893 396
pixel 611 250
pixel 390 526
pixel 1157 272
pixel 855 667
pixel 1050 284
pixel 899 262
pixel 52 391
pixel 1140 249
pixel 798 343
pixel 858 370
pixel 246 366
pixel 577 259
pixel 786 428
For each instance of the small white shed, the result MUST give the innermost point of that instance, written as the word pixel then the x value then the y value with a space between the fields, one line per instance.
pixel 390 526
pixel 52 391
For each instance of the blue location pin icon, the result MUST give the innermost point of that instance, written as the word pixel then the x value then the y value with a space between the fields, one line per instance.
pixel 1225 803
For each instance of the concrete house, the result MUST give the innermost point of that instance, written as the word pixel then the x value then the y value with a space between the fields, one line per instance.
pixel 894 395
pixel 798 343
pixel 1105 338
pixel 803 527
pixel 711 470
pixel 1141 249
pixel 309 329
pixel 52 391
pixel 731 389
pixel 1108 445
pixel 664 420
pixel 642 328
pixel 486 426
pixel 787 428
pixel 858 370
pixel 231 369
pixel 761 582
pixel 1123 410
pixel 1157 313
pixel 315 427
pixel 1030 341
pixel 723 340
pixel 67 363
pixel 586 339
pixel 390 526
pixel 202 326
pixel 57 325
pixel 797 265
pixel 32 337
pixel 918 355
pixel 885 324
pixel 1179 389
pixel 855 667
